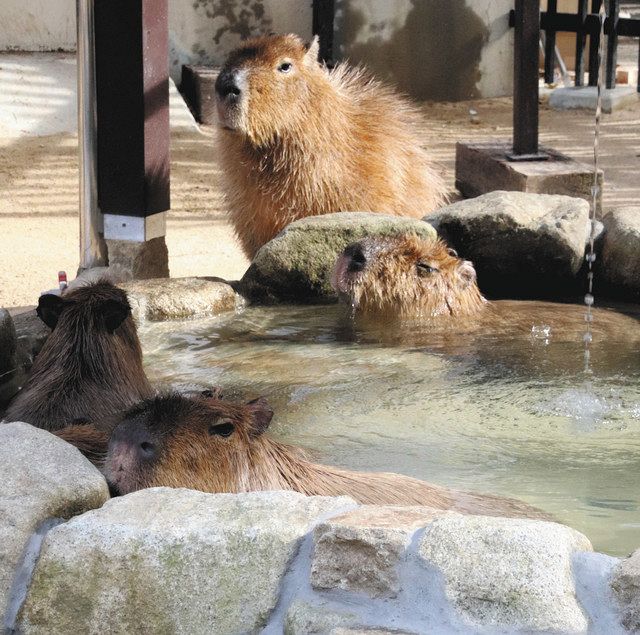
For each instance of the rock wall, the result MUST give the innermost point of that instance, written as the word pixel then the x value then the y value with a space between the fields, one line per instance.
pixel 180 561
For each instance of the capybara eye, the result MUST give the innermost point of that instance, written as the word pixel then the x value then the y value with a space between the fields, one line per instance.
pixel 425 270
pixel 222 429
pixel 285 67
pixel 452 252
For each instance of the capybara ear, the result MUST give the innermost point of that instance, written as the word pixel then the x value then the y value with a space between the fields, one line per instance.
pixel 115 313
pixel 262 414
pixel 466 273
pixel 313 50
pixel 49 309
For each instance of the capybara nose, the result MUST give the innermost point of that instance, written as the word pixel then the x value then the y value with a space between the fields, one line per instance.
pixel 135 440
pixel 227 85
pixel 147 449
pixel 357 259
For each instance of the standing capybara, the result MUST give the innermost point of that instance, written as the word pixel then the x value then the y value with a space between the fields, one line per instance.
pixel 220 447
pixel 301 140
pixel 90 367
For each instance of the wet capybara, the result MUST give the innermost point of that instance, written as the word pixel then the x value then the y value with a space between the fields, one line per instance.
pixel 90 367
pixel 302 140
pixel 410 277
pixel 221 447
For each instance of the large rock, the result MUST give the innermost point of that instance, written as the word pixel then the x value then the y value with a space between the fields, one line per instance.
pixel 362 550
pixel 519 243
pixel 507 574
pixel 41 477
pixel 621 251
pixel 297 264
pixel 626 587
pixel 178 298
pixel 171 561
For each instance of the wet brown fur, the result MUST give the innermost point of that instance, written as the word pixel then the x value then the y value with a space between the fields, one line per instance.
pixel 84 372
pixel 316 141
pixel 410 276
pixel 248 460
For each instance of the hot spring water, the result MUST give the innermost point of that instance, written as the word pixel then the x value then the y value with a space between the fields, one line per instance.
pixel 498 413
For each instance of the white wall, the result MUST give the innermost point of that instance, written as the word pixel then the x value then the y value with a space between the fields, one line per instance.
pixel 432 49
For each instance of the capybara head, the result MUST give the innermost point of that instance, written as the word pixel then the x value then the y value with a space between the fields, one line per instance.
pixel 91 364
pixel 264 86
pixel 179 441
pixel 96 307
pixel 406 276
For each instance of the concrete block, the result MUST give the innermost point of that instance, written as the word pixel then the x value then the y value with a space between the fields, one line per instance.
pixel 198 89
pixel 483 167
pixel 149 259
pixel 585 97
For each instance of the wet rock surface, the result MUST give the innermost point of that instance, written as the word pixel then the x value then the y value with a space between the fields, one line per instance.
pixel 520 243
pixel 626 588
pixel 297 264
pixel 41 477
pixel 161 299
pixel 621 252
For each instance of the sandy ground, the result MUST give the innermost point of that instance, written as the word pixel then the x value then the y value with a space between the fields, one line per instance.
pixel 39 190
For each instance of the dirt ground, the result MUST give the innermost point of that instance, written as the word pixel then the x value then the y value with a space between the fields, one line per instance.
pixel 39 190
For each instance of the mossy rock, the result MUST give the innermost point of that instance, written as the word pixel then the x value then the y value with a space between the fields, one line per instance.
pixel 296 265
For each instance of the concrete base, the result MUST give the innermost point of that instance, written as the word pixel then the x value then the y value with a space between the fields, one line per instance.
pixel 143 260
pixel 586 97
pixel 483 167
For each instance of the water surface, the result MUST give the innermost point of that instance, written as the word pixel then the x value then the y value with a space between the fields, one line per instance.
pixel 505 412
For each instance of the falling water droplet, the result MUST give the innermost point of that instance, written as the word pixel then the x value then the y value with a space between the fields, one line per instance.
pixel 588 338
pixel 588 299
pixel 590 257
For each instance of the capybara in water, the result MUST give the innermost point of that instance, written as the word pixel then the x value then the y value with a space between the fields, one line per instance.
pixel 90 367
pixel 218 446
pixel 406 276
pixel 301 140
pixel 410 277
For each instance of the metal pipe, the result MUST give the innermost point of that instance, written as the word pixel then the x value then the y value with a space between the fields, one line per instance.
pixel 92 246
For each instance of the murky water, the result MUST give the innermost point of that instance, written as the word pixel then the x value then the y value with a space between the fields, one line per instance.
pixel 506 412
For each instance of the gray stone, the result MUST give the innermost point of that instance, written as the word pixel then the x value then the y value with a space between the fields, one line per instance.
pixel 143 260
pixel 621 251
pixel 571 97
pixel 626 587
pixel 362 550
pixel 178 298
pixel 171 561
pixel 10 373
pixel 517 241
pixel 41 477
pixel 297 264
pixel 316 618
pixel 483 167
pixel 507 573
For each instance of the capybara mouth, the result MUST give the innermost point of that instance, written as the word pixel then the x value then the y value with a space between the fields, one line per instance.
pixel 227 115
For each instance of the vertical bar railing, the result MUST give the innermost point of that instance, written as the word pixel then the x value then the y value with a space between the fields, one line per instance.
pixel 525 87
pixel 581 40
pixel 550 45
pixel 593 48
pixel 323 19
pixel 612 43
pixel 91 243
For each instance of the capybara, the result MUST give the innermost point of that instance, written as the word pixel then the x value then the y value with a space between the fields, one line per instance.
pixel 301 140
pixel 410 277
pixel 218 446
pixel 90 367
